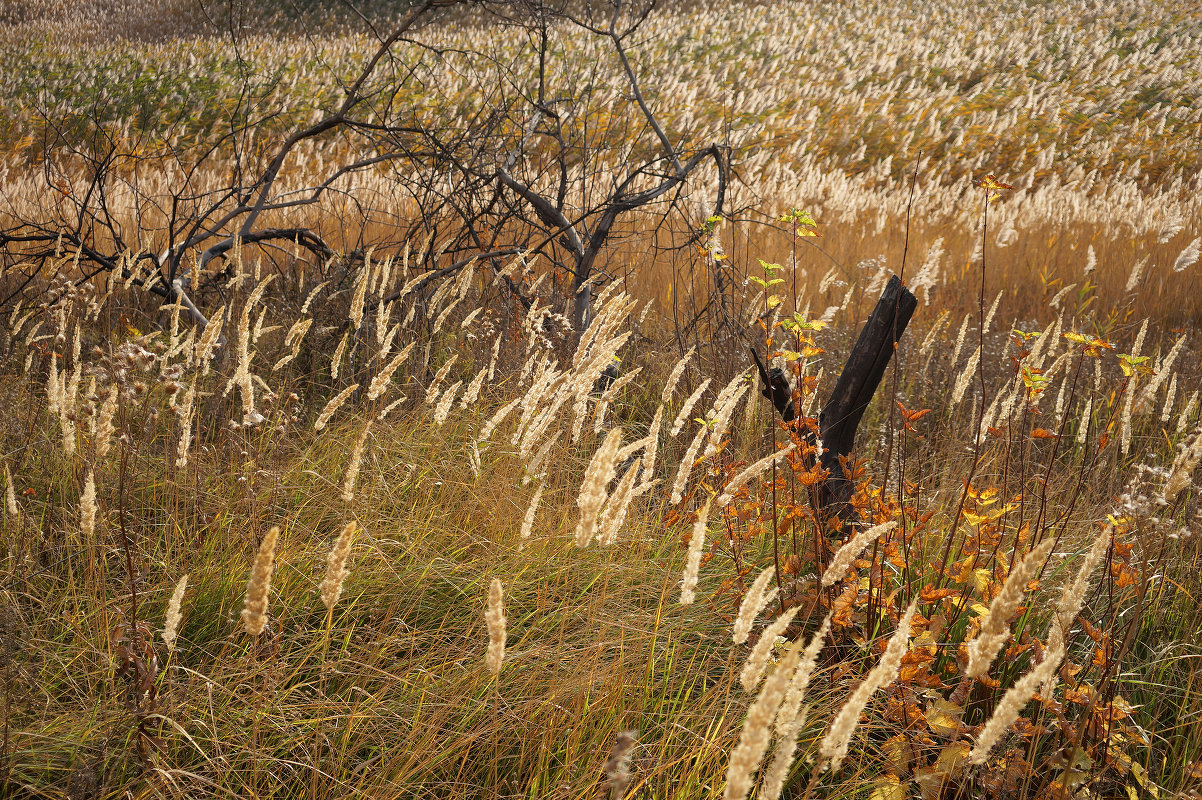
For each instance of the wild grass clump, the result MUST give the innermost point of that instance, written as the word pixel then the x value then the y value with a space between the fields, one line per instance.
pixel 404 537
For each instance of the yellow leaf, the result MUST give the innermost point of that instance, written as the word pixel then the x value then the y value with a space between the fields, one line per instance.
pixel 1141 775
pixel 888 787
pixel 944 719
pixel 981 580
pixel 952 757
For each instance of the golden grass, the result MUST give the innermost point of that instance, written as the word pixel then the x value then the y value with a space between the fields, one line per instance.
pixel 479 647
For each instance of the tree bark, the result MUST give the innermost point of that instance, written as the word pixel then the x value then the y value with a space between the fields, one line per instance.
pixel 855 388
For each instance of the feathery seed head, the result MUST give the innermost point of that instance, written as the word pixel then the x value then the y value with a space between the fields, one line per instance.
pixel 336 571
pixel 494 616
pixel 258 586
pixel 174 614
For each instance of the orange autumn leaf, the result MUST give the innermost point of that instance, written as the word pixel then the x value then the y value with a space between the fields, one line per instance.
pixel 930 594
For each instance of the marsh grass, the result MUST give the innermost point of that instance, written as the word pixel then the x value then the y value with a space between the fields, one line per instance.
pixel 131 460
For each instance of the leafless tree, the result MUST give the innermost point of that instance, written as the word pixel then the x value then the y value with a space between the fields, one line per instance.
pixel 516 171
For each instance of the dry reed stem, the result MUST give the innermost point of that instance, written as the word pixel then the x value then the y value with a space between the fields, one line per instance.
pixel 258 585
pixel 336 571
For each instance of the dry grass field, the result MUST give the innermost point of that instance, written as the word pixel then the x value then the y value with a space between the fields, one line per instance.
pixel 375 521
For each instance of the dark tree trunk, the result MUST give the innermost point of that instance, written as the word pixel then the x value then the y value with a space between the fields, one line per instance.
pixel 857 384
pixel 853 392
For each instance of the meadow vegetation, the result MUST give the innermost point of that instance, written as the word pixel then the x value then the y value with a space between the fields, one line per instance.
pixel 371 508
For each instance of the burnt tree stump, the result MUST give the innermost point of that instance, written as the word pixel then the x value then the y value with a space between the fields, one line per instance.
pixel 862 374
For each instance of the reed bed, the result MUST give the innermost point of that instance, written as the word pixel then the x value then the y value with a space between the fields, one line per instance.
pixel 361 536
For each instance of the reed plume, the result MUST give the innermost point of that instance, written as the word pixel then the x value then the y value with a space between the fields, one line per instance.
pixel 753 603
pixel 336 359
pixel 688 583
pixel 686 409
pixel 851 550
pixel 1013 702
pixel 87 507
pixel 753 667
pixel 379 384
pixel 10 495
pixel 614 513
pixel 443 409
pixel 336 571
pixel 746 474
pixel 174 614
pixel 834 745
pixel 332 407
pixel 352 467
pixel 674 376
pixel 432 390
pixel 494 617
pixel 531 511
pixel 757 728
pixel 1184 465
pixel 258 586
pixel 724 407
pixel 1188 256
pixel 686 465
pixel 597 476
pixel 995 630
pixel 791 716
